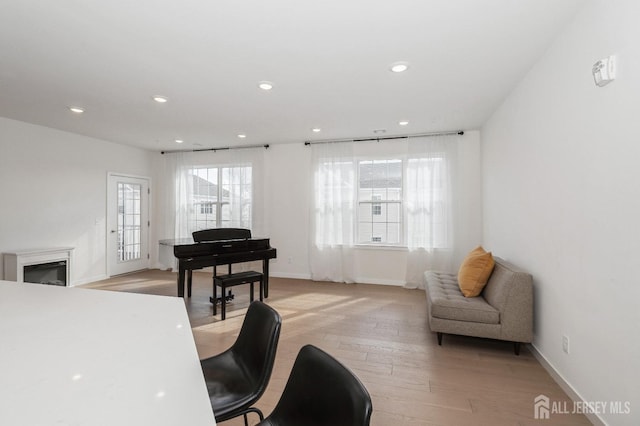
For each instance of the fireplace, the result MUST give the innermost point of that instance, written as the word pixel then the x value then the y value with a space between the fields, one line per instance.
pixel 52 273
pixel 42 266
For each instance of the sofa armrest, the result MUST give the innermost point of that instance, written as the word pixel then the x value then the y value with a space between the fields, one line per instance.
pixel 517 317
pixel 510 290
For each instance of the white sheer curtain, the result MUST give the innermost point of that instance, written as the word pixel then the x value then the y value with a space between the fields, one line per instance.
pixel 243 185
pixel 333 212
pixel 174 197
pixel 430 205
pixel 183 208
pixel 246 198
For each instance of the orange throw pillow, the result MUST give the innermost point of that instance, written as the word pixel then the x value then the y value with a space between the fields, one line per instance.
pixel 474 272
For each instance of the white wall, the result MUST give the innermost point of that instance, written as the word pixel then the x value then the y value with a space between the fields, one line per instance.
pixel 53 192
pixel 562 199
pixel 287 205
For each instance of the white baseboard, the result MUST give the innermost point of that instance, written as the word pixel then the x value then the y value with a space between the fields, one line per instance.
pixel 88 280
pixel 377 281
pixel 570 391
pixel 357 280
pixel 161 266
pixel 296 276
pixel 289 275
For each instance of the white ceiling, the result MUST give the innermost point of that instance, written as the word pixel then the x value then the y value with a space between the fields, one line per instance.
pixel 329 62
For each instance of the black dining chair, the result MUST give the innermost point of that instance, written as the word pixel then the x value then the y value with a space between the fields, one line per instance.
pixel 321 392
pixel 238 377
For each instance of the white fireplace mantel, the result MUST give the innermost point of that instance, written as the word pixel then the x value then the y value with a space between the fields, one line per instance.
pixel 15 262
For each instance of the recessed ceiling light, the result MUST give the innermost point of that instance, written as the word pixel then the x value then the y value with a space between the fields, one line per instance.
pixel 316 129
pixel 77 110
pixel 179 141
pixel 160 99
pixel 399 67
pixel 242 136
pixel 265 85
pixel 403 122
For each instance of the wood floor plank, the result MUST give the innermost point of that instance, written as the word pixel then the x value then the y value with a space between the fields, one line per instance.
pixel 381 333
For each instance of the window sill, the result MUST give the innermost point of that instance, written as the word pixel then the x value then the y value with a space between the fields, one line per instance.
pixel 380 247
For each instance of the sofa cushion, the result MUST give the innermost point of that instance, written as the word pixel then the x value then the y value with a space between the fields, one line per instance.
pixel 474 272
pixel 447 301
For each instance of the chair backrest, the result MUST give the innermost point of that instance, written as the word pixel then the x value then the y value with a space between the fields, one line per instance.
pixel 256 345
pixel 321 392
pixel 215 234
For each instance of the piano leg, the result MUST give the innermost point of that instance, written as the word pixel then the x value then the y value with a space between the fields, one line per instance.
pixel 180 282
pixel 265 273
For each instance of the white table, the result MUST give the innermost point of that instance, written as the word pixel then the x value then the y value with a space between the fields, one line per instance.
pixel 73 356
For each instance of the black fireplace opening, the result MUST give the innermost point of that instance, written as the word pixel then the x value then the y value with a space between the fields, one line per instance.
pixel 52 273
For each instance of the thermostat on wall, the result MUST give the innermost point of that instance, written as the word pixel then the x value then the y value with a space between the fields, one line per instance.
pixel 604 71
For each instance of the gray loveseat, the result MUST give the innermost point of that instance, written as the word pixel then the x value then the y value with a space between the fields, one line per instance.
pixel 503 311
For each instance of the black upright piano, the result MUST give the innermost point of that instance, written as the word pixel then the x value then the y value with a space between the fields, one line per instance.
pixel 221 246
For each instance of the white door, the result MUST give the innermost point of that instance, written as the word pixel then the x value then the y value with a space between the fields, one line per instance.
pixel 127 224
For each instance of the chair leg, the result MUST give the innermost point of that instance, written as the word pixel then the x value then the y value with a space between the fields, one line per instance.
pixel 251 292
pixel 439 338
pixel 252 410
pixel 516 348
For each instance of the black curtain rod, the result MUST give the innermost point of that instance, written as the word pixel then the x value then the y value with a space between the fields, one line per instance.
pixel 226 148
pixel 384 138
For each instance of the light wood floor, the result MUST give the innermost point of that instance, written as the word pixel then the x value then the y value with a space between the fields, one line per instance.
pixel 382 335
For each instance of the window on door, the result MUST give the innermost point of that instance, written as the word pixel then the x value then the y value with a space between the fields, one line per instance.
pixel 129 221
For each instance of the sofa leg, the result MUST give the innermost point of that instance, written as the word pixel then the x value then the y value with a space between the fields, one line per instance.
pixel 516 348
pixel 439 338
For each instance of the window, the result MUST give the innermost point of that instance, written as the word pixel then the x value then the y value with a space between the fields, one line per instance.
pixel 206 208
pixel 376 208
pixel 380 201
pixel 221 197
pixel 400 200
pixel 393 190
pixel 129 218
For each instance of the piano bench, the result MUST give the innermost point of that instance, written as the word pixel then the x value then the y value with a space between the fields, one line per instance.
pixel 231 280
